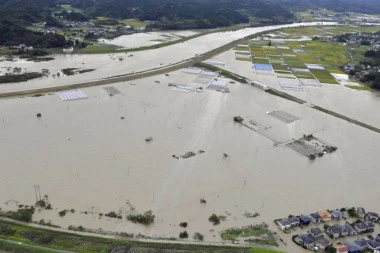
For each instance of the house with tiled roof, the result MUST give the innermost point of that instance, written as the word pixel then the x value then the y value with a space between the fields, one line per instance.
pixel 322 243
pixel 325 215
pixel 315 217
pixel 307 240
pixel 341 248
pixel 316 232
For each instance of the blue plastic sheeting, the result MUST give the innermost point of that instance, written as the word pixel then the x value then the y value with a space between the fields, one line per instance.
pixel 267 67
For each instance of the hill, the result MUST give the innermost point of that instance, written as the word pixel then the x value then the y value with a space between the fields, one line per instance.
pixel 358 6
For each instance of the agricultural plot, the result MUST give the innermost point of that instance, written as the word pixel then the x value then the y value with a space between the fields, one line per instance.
pixel 283 116
pixel 280 67
pixel 324 76
pixel 309 62
pixel 257 60
pixel 241 48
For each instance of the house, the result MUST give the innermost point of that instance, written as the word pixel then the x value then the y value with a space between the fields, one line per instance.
pixel 337 231
pixel 370 226
pixel 284 224
pixel 315 217
pixel 360 226
pixel 316 232
pixel 374 245
pixel 325 215
pixel 372 216
pixel 294 221
pixel 350 229
pixel 361 212
pixel 307 240
pixel 336 215
pixel 305 220
pixel 322 243
pixel 362 244
pixel 353 248
pixel 341 248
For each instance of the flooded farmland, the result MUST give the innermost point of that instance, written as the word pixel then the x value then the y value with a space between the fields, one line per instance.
pixel 91 155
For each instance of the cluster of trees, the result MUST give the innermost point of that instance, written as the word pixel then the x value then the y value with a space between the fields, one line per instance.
pixel 16 14
pixel 147 218
pixel 184 14
pixel 373 76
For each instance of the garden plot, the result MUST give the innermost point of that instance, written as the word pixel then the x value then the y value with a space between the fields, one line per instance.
pixel 205 77
pixel 310 82
pixel 218 86
pixel 311 146
pixel 112 90
pixel 314 66
pixel 256 126
pixel 299 51
pixel 290 84
pixel 300 70
pixel 283 116
pixel 72 95
pixel 191 70
pixel 216 63
pixel 265 67
pixel 324 76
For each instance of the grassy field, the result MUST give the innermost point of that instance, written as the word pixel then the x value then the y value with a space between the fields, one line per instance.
pixel 135 23
pixel 10 247
pixel 260 233
pixel 361 87
pixel 95 49
pixel 88 244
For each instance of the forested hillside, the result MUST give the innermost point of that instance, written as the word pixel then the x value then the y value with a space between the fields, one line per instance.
pixel 359 6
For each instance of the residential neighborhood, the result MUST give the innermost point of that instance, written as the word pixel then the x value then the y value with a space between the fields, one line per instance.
pixel 335 226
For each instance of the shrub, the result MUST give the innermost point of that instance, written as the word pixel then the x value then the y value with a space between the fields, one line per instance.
pixel 183 224
pixel 183 235
pixel 353 213
pixel 40 203
pixel 111 214
pixel 62 213
pixel 6 230
pixel 198 236
pixel 215 219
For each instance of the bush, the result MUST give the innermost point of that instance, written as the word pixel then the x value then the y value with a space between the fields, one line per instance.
pixel 215 219
pixel 146 218
pixel 40 203
pixel 111 214
pixel 353 213
pixel 183 235
pixel 198 236
pixel 183 224
pixel 62 213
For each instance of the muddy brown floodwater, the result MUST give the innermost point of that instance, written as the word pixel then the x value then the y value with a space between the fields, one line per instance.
pixel 84 156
